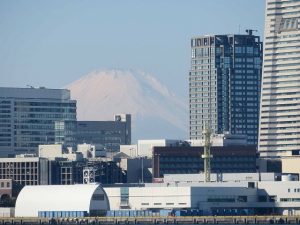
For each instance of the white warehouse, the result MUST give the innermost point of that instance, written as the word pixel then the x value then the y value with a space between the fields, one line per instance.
pixel 239 196
pixel 61 201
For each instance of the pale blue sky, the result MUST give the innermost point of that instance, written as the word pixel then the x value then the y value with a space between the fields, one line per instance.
pixel 52 43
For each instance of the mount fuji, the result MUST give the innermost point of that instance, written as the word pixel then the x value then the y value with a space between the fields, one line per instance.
pixel 157 113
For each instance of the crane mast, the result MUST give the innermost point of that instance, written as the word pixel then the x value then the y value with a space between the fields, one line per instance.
pixel 207 156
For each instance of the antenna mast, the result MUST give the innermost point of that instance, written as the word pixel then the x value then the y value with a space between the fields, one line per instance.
pixel 207 156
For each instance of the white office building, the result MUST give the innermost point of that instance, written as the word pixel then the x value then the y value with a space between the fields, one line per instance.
pixel 280 100
pixel 256 197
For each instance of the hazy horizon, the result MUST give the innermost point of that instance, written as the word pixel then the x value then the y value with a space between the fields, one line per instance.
pixel 53 43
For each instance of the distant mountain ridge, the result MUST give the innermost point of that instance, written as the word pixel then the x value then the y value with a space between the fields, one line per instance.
pixel 156 111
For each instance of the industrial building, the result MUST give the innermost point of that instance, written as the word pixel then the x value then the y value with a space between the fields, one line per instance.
pixel 62 201
pixel 224 84
pixel 59 165
pixel 188 160
pixel 107 135
pixel 234 194
pixel 24 170
pixel 33 116
pixel 238 194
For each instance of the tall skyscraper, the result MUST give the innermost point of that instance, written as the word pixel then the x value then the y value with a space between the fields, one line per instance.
pixel 280 100
pixel 33 116
pixel 224 84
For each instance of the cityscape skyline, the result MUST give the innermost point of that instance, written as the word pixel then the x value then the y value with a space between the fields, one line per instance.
pixel 87 38
pixel 60 162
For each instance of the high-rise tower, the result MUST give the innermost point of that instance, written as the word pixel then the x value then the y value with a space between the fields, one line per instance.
pixel 280 99
pixel 224 84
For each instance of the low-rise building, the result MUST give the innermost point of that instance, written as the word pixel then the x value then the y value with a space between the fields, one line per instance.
pixel 188 160
pixel 237 197
pixel 108 135
pixel 62 201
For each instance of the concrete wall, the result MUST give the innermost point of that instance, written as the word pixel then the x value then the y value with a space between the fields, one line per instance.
pixel 291 164
pixel 7 212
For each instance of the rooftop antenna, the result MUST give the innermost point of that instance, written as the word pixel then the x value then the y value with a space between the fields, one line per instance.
pixel 207 156
pixel 250 31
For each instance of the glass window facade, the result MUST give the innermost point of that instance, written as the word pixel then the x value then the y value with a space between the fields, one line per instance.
pixel 224 81
pixel 30 116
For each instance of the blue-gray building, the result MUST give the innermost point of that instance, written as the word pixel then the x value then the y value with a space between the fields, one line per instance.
pixel 224 84
pixel 108 135
pixel 33 116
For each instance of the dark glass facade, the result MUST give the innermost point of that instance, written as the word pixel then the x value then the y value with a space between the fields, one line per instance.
pixel 109 134
pixel 188 160
pixel 224 85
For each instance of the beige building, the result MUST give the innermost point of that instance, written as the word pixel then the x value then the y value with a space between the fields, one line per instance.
pixel 280 99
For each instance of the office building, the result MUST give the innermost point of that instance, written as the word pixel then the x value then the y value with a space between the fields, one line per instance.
pixel 108 135
pixel 188 160
pixel 25 170
pixel 33 116
pixel 280 99
pixel 28 170
pixel 224 85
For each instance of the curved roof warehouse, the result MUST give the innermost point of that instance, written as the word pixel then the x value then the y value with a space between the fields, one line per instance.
pixel 89 199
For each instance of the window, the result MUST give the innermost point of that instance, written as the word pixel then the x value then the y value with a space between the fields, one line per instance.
pixel 221 199
pixel 242 198
pixel 272 198
pixel 287 24
pixel 262 198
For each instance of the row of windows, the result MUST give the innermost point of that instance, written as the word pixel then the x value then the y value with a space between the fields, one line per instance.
pixel 57 110
pixel 281 82
pixel 46 104
pixel 282 88
pixel 5 116
pixel 196 76
pixel 52 115
pixel 279 147
pixel 5 111
pixel 5 106
pixel 281 105
pixel 247 50
pixel 294 111
pixel 205 72
pixel 280 65
pixel 283 13
pixel 280 94
pixel 237 65
pixel 144 203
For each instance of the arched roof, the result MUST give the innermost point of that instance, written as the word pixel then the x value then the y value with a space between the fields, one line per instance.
pixel 76 197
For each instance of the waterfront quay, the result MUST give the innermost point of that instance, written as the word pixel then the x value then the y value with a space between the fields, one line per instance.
pixel 272 219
